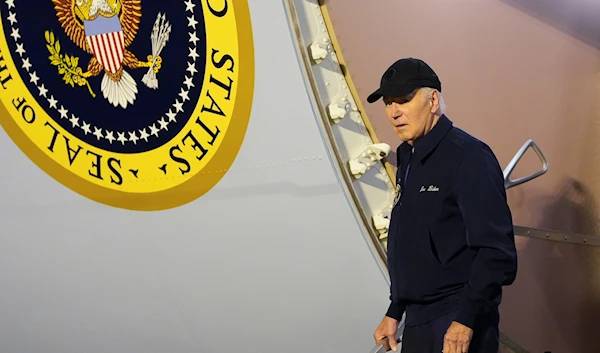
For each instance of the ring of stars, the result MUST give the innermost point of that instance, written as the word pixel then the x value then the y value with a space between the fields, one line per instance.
pixel 122 137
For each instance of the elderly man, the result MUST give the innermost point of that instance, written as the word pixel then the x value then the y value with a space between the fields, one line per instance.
pixel 451 243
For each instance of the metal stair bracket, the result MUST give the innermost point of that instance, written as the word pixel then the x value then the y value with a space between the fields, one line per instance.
pixel 358 157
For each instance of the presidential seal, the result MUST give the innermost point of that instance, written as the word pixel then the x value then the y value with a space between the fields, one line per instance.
pixel 136 104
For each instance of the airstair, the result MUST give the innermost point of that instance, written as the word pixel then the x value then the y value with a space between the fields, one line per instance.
pixel 360 156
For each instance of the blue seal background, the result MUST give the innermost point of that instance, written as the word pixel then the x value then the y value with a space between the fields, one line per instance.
pixel 35 17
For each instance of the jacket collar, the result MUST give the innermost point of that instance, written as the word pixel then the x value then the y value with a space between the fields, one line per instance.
pixel 425 145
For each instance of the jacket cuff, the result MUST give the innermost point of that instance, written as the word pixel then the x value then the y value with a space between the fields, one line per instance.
pixel 395 311
pixel 466 319
pixel 468 312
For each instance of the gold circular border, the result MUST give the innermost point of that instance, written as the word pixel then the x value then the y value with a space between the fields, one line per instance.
pixel 188 191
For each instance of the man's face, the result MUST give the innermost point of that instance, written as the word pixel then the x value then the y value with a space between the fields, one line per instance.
pixel 412 116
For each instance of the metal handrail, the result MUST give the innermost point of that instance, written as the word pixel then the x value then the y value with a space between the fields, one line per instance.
pixel 381 348
pixel 513 163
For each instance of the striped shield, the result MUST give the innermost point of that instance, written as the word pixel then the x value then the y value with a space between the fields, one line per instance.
pixel 105 38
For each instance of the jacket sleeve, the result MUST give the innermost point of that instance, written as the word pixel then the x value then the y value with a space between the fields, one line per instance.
pixel 395 310
pixel 488 220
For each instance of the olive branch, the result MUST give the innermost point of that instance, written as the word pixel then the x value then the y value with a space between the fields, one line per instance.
pixel 67 64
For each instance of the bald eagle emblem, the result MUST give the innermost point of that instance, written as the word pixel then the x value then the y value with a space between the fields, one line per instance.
pixel 105 29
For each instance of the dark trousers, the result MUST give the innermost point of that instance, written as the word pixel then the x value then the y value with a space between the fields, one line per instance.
pixel 429 337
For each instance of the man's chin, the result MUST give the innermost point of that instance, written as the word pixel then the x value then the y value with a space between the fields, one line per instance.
pixel 403 136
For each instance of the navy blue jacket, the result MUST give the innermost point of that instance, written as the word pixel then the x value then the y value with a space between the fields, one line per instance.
pixel 451 243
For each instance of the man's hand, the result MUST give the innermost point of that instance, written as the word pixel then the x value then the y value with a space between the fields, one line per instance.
pixel 387 329
pixel 457 338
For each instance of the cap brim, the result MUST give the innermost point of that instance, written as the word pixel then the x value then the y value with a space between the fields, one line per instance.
pixel 391 91
pixel 374 97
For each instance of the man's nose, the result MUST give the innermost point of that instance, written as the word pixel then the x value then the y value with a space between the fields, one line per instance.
pixel 395 111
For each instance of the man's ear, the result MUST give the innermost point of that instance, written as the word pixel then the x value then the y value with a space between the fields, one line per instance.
pixel 434 101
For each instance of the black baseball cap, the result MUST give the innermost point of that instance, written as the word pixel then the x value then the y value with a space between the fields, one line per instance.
pixel 403 77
